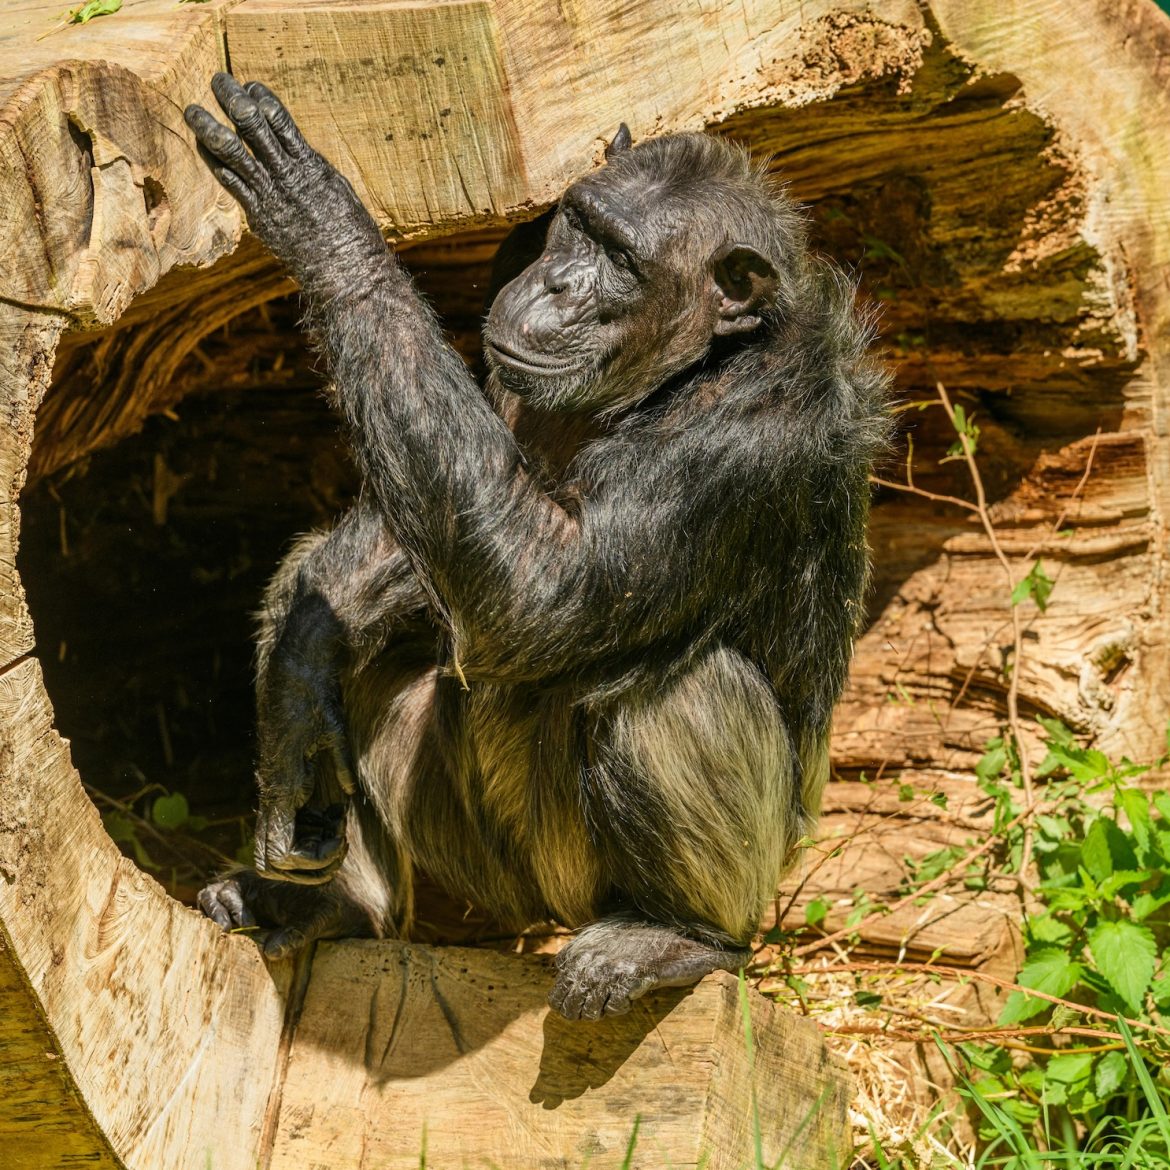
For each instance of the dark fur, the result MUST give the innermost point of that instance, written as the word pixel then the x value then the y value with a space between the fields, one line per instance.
pixel 581 663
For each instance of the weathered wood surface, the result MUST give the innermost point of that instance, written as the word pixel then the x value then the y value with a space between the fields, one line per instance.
pixel 169 1034
pixel 1011 157
pixel 45 1121
pixel 455 1051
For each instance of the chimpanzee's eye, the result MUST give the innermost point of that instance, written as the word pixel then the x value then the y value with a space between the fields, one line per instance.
pixel 619 259
pixel 573 218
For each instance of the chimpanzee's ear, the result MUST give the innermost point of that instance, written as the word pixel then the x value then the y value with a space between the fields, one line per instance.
pixel 745 283
pixel 621 141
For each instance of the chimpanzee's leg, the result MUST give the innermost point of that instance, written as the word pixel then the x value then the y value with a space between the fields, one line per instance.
pixel 694 795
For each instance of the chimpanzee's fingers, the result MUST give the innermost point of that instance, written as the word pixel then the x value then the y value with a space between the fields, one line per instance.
pixel 286 940
pixel 250 122
pixel 243 194
pixel 345 772
pixel 213 908
pixel 311 862
pixel 274 834
pixel 339 750
pixel 223 145
pixel 283 942
pixel 279 119
pixel 227 90
pixel 291 870
pixel 279 855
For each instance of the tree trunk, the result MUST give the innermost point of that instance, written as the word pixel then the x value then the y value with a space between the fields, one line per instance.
pixel 994 171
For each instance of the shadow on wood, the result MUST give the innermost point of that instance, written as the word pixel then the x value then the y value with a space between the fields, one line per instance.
pixel 456 1050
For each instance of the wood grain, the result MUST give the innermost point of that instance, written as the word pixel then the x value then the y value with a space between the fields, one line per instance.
pixel 456 1051
pixel 1043 299
pixel 168 1028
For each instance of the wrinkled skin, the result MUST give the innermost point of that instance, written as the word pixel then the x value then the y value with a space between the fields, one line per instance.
pixel 608 311
pixel 574 650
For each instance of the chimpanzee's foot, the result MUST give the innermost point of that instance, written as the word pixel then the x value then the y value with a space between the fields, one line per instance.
pixel 290 916
pixel 615 961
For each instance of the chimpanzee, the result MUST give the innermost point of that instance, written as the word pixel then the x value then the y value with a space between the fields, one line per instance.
pixel 574 652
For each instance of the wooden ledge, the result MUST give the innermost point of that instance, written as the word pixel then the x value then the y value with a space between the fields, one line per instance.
pixel 455 1051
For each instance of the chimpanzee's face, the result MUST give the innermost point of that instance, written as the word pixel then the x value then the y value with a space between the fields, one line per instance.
pixel 617 303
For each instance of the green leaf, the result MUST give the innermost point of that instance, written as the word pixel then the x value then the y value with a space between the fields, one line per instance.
pixel 905 793
pixel 934 864
pixel 1046 928
pixel 1107 848
pixel 866 999
pixel 876 249
pixel 84 13
pixel 1058 734
pixel 1066 1075
pixel 1109 1075
pixel 1160 990
pixel 1037 586
pixel 170 812
pixel 1069 1068
pixel 1049 971
pixel 1136 806
pixel 1162 803
pixel 1146 902
pixel 862 905
pixel 993 761
pixel 815 911
pixel 1064 1016
pixel 1117 881
pixel 1125 954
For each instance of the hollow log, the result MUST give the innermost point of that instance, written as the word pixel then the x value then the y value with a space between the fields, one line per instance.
pixel 994 172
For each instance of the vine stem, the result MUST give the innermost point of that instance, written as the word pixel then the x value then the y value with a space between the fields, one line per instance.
pixel 1015 727
pixel 993 839
pixel 962 974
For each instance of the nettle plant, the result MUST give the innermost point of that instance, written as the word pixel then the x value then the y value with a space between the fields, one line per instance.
pixel 1097 939
pixel 1081 1056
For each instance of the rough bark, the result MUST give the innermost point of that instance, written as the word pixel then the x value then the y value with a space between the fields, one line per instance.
pixel 997 171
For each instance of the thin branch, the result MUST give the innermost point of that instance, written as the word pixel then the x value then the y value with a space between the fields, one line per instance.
pixel 913 490
pixel 943 879
pixel 962 974
pixel 1013 695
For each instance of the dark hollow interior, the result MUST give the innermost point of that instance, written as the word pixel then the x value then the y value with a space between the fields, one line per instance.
pixel 144 558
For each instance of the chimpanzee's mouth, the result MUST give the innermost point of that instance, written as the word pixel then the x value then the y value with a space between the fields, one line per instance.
pixel 507 356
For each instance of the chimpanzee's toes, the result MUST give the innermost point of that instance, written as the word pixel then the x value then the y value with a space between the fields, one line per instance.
pixel 223 902
pixel 617 960
pixel 591 983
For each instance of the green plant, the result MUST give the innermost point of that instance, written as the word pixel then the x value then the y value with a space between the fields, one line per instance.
pixel 1074 1074
pixel 1097 938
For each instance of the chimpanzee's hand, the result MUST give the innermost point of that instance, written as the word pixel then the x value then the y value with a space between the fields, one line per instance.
pixel 305 774
pixel 296 203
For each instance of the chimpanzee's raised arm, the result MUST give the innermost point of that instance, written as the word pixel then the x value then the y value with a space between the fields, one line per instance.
pixel 600 321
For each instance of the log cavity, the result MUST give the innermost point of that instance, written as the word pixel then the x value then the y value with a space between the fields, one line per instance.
pixel 180 450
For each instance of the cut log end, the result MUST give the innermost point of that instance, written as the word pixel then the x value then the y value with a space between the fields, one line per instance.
pixel 454 1051
pixel 969 168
